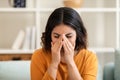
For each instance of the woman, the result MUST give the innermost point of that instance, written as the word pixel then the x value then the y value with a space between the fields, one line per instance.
pixel 64 54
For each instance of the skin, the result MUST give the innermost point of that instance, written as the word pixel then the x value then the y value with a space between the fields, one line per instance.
pixel 63 44
pixel 63 37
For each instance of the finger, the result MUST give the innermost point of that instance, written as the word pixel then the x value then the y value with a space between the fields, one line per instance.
pixel 67 42
pixel 65 47
pixel 60 42
pixel 57 45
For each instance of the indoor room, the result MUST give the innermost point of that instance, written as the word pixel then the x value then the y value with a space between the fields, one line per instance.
pixel 23 22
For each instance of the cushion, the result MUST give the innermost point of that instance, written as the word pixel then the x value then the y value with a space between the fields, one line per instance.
pixel 117 65
pixel 14 70
pixel 99 76
pixel 108 72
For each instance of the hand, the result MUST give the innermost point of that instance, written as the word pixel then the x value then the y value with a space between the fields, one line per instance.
pixel 55 49
pixel 68 50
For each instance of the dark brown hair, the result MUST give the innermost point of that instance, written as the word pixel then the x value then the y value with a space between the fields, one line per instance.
pixel 67 16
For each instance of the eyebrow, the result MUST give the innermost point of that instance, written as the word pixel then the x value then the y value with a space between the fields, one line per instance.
pixel 59 34
pixel 68 34
pixel 56 34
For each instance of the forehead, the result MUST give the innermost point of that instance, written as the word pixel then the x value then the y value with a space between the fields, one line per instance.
pixel 63 29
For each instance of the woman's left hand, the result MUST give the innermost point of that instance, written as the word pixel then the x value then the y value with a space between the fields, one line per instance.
pixel 68 50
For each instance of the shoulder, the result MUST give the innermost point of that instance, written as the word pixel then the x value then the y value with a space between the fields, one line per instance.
pixel 87 54
pixel 88 58
pixel 39 54
pixel 90 63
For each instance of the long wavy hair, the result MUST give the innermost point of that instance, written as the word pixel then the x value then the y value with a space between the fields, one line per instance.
pixel 67 16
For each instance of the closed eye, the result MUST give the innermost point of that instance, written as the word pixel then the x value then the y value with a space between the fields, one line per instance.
pixel 57 36
pixel 68 36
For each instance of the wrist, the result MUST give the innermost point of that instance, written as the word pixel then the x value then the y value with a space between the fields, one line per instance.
pixel 54 65
pixel 52 70
pixel 71 63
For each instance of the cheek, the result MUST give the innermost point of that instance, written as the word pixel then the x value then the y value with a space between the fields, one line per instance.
pixel 73 42
pixel 54 40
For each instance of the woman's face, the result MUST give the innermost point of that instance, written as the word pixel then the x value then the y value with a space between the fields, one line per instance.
pixel 65 30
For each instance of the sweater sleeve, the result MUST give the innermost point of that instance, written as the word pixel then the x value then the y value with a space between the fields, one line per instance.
pixel 38 67
pixel 91 67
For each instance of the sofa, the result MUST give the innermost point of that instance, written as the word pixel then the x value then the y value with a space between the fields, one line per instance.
pixel 112 70
pixel 14 70
pixel 20 70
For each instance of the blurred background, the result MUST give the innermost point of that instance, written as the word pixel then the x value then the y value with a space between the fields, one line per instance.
pixel 23 21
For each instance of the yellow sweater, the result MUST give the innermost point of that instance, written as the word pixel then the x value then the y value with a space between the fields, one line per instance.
pixel 85 60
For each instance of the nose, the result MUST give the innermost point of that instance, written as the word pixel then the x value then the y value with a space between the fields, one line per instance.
pixel 62 36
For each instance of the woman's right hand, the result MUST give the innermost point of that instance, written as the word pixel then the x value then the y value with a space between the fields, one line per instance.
pixel 55 52
pixel 55 49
